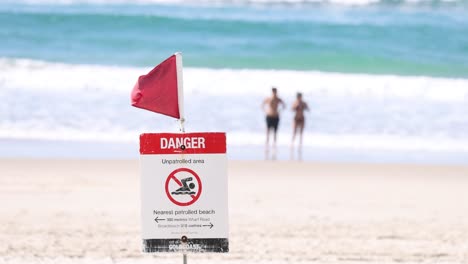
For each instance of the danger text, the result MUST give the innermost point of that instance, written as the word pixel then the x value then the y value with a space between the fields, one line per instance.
pixel 187 142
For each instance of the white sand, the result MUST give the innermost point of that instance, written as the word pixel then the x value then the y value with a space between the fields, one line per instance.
pixel 85 211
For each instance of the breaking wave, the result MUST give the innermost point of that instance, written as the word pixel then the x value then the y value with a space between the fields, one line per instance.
pixel 43 100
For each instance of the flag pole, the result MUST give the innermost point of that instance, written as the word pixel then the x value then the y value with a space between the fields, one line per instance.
pixel 180 90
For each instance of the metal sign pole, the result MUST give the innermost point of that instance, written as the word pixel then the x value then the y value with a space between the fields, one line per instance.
pixel 184 241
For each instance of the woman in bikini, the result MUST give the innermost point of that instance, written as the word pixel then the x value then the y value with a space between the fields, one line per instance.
pixel 299 107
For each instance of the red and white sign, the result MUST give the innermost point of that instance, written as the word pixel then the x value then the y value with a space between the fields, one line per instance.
pixel 185 143
pixel 184 192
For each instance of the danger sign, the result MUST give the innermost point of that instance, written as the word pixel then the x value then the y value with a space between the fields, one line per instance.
pixel 184 192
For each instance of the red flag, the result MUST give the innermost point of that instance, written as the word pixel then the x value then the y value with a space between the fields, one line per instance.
pixel 160 89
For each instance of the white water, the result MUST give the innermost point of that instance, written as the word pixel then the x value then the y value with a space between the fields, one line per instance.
pixel 42 100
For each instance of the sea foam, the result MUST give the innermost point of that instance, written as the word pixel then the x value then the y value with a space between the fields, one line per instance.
pixel 39 75
pixel 43 100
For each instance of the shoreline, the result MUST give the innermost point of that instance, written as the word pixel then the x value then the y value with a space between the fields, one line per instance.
pixel 98 150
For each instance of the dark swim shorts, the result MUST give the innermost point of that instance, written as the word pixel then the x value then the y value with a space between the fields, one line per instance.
pixel 272 122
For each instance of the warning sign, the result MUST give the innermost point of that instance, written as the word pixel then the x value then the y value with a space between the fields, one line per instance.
pixel 184 192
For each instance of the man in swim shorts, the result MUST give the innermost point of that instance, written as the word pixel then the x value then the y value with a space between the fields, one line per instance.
pixel 270 106
pixel 299 106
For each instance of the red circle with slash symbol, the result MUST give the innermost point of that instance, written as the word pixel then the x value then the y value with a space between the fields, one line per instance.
pixel 180 187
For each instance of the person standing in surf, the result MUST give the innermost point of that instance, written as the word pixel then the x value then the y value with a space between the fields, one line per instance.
pixel 271 108
pixel 299 106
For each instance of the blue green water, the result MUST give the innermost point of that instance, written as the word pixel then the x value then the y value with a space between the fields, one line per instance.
pixel 370 73
pixel 387 38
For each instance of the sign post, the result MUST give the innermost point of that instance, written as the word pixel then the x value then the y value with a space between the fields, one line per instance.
pixel 184 192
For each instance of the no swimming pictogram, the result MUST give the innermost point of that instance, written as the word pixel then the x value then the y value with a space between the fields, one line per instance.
pixel 183 187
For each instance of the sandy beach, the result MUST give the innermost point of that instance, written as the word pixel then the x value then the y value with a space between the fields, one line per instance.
pixel 383 176
pixel 87 211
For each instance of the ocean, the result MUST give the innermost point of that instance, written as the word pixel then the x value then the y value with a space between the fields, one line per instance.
pixel 385 80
